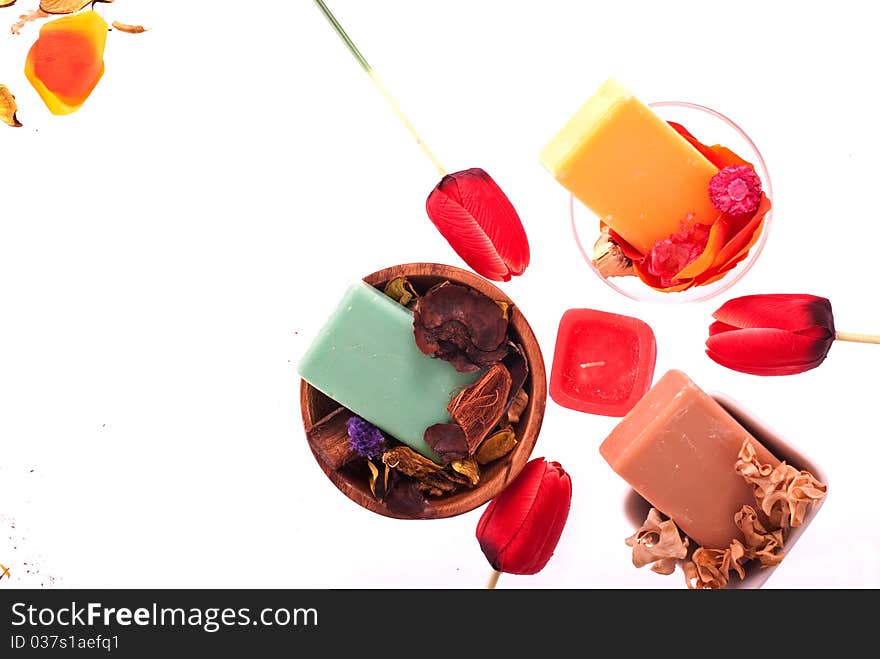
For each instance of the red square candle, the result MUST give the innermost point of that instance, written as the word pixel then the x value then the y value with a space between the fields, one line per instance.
pixel 603 362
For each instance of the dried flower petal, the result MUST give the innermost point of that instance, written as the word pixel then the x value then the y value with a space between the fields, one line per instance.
pixel 516 364
pixel 764 545
pixel 517 406
pixel 460 325
pixel 125 27
pixel 374 479
pixel 670 256
pixel 710 568
pixel 365 438
pixel 401 290
pixel 468 468
pixel 658 541
pixel 67 60
pixel 402 496
pixel 447 440
pixel 479 407
pixel 8 107
pixel 408 462
pixel 495 446
pixel 784 494
pixel 736 190
pixel 480 223
pixel 438 484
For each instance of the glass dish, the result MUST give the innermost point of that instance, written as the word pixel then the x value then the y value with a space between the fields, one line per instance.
pixel 710 127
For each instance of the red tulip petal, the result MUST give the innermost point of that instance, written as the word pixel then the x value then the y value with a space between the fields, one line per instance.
pixel 763 351
pixel 480 223
pixel 806 314
pixel 717 327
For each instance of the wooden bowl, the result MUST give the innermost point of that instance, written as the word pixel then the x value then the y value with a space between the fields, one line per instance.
pixel 496 475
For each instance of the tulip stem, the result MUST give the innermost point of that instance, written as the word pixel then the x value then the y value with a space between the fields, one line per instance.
pixel 858 338
pixel 493 580
pixel 394 106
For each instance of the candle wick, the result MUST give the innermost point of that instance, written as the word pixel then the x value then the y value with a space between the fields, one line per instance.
pixel 590 364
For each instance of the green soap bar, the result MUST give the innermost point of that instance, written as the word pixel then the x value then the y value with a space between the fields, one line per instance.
pixel 366 359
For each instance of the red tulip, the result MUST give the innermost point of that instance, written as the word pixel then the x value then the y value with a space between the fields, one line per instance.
pixel 772 334
pixel 520 528
pixel 480 223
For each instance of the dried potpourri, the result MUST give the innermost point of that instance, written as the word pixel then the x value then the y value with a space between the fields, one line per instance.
pixel 700 254
pixel 483 413
pixel 462 326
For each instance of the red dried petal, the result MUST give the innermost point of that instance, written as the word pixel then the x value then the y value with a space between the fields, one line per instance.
pixel 671 255
pixel 735 190
pixel 804 314
pixel 480 223
pixel 519 530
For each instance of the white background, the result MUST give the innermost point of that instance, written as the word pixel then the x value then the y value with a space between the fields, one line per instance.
pixel 167 252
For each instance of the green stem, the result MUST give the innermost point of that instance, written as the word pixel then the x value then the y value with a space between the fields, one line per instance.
pixel 370 72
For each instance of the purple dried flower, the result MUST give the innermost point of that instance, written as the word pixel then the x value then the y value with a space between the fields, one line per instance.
pixel 364 438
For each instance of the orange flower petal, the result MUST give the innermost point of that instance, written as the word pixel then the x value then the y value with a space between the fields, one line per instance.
pixel 739 244
pixel 67 60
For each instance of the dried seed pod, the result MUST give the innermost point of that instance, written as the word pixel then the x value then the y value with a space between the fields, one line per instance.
pixel 479 407
pixel 495 446
pixel 467 468
pixel 401 290
pixel 408 462
pixel 8 107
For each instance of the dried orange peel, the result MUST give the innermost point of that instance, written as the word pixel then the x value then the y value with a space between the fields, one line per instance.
pixel 67 60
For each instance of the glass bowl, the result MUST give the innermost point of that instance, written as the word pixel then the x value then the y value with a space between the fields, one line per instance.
pixel 710 127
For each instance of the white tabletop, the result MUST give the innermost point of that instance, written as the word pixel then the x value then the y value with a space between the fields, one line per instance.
pixel 168 251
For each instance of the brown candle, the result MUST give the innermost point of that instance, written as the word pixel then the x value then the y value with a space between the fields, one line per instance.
pixel 677 448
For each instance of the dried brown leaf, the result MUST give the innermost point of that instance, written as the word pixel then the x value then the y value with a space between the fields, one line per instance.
pixel 8 107
pixel 447 440
pixel 517 406
pixel 374 478
pixel 408 462
pixel 467 468
pixel 495 446
pixel 125 27
pixel 437 485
